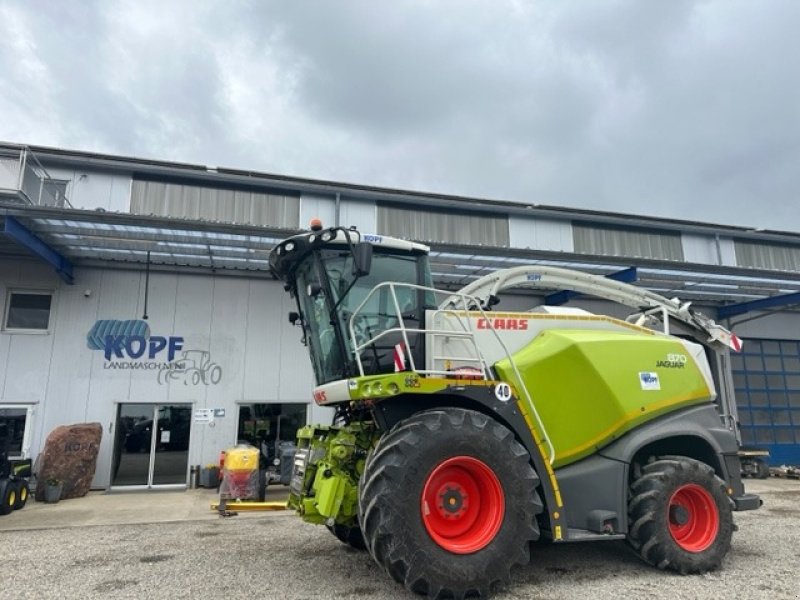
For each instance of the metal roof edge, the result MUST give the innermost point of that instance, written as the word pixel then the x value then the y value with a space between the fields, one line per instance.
pixel 383 194
pixel 134 220
pixel 625 261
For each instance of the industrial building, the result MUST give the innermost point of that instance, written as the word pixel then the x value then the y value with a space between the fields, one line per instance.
pixel 136 293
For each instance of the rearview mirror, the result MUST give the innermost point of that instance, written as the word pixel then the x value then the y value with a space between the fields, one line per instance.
pixel 362 259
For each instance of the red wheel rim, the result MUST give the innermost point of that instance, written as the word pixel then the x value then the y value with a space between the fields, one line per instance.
pixel 462 505
pixel 693 518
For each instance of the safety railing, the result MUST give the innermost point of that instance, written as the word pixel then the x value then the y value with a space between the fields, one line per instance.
pixel 22 174
pixel 362 336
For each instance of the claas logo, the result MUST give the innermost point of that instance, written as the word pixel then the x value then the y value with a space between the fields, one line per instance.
pixel 503 323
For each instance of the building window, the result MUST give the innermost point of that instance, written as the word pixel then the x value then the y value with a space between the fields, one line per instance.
pixel 15 426
pixel 54 192
pixel 633 243
pixel 28 311
pixel 270 423
pixel 469 229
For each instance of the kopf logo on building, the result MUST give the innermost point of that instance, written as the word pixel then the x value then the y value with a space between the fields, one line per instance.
pixel 131 339
pixel 128 346
pixel 135 346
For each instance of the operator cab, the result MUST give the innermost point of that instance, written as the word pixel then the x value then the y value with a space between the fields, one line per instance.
pixel 330 273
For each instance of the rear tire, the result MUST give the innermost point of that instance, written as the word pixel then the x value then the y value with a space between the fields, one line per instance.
pixel 22 495
pixel 448 504
pixel 680 516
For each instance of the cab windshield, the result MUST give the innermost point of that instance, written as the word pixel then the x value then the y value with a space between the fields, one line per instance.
pixel 329 293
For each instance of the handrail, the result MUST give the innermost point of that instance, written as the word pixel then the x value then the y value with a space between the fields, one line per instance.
pixel 702 328
pixel 470 304
pixel 28 162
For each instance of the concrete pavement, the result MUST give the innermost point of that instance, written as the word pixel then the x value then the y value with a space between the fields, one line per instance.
pixel 134 508
pixel 128 508
pixel 277 556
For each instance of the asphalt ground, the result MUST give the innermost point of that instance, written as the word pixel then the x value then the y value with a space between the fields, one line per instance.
pixel 275 555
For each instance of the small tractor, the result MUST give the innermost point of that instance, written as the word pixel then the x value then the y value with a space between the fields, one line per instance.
pixel 14 474
pixel 462 434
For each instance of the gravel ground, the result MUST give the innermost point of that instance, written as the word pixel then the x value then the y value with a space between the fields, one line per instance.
pixel 277 556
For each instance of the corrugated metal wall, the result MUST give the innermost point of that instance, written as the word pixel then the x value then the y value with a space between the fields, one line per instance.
pixel 440 226
pixel 213 204
pixel 777 257
pixel 590 239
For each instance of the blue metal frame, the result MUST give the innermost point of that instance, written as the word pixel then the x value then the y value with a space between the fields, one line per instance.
pixel 628 275
pixel 767 382
pixel 26 238
pixel 732 310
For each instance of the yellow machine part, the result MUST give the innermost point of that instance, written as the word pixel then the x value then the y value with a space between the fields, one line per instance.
pixel 241 458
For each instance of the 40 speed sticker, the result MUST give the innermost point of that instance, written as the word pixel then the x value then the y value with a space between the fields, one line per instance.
pixel 502 392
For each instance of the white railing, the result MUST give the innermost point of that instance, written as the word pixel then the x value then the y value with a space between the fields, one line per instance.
pixel 362 337
pixel 24 174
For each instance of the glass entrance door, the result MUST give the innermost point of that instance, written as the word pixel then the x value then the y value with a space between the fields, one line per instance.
pixel 151 447
pixel 171 450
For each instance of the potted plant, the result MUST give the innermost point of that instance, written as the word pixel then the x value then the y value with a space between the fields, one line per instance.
pixel 52 490
pixel 209 476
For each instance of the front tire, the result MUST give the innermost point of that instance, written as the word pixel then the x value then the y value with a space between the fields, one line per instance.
pixel 351 536
pixel 680 516
pixel 22 495
pixel 448 503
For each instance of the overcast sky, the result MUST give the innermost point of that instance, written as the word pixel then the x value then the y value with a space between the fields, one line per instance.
pixel 685 109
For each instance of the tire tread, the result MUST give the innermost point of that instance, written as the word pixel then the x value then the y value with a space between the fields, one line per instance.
pixel 384 476
pixel 647 512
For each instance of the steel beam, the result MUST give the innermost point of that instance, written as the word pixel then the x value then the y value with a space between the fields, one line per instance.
pixel 731 310
pixel 28 240
pixel 628 275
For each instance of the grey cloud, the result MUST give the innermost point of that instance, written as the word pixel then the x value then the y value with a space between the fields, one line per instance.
pixel 685 109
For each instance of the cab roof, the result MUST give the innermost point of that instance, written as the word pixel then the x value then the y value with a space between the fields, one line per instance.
pixel 290 251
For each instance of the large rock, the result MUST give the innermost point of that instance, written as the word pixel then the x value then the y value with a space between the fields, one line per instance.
pixel 70 455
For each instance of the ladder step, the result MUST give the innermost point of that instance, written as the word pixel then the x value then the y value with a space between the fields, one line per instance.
pixel 583 535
